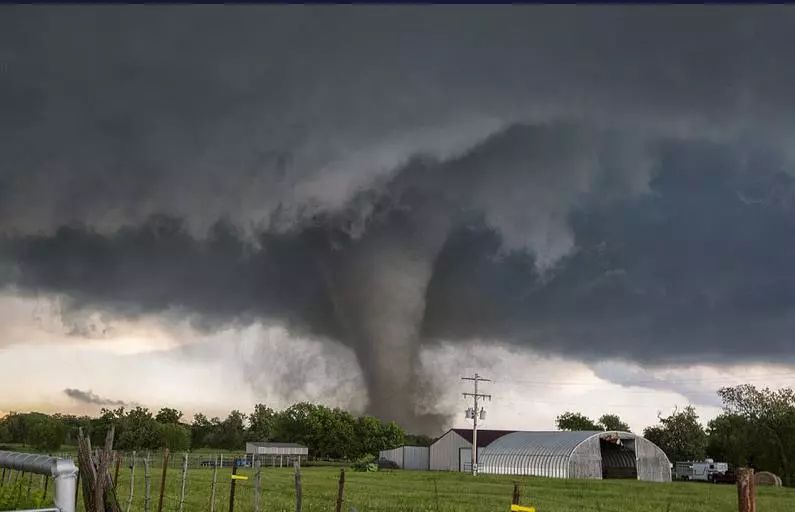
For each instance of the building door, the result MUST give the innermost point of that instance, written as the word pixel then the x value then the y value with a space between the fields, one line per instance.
pixel 465 460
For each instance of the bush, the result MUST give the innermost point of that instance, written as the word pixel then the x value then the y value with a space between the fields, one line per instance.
pixel 366 463
pixel 387 464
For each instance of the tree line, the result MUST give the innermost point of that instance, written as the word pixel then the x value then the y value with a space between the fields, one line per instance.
pixel 756 429
pixel 328 433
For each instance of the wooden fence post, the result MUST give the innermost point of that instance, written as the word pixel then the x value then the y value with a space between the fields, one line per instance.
pixel 132 482
pixel 297 487
pixel 212 488
pixel 163 481
pixel 340 490
pixel 257 481
pixel 746 492
pixel 516 494
pixel 184 478
pixel 147 484
pixel 232 487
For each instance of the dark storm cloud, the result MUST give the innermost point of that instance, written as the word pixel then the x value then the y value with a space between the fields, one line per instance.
pixel 595 182
pixel 89 397
pixel 110 115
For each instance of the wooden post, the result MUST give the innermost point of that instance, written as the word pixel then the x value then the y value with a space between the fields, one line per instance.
pixel 232 487
pixel 163 481
pixel 116 471
pixel 257 481
pixel 212 488
pixel 516 494
pixel 297 487
pixel 746 492
pixel 184 477
pixel 147 484
pixel 132 483
pixel 340 490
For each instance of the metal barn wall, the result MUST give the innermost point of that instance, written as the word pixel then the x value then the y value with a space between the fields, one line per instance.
pixel 408 457
pixel 395 455
pixel 586 460
pixel 416 457
pixel 444 452
pixel 653 464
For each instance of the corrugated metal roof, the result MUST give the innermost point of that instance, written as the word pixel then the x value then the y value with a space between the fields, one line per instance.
pixel 485 437
pixel 538 443
pixel 277 445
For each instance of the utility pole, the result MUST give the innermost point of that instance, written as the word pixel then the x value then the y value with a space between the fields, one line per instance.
pixel 473 414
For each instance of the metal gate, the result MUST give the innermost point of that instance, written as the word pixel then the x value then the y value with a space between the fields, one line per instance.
pixel 63 472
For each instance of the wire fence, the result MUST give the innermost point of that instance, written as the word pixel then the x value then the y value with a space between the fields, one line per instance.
pixel 189 484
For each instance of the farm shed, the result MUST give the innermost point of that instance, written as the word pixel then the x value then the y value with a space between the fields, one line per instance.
pixel 453 451
pixel 580 454
pixel 407 457
pixel 277 453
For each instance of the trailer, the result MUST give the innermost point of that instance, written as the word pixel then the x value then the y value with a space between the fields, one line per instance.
pixel 706 471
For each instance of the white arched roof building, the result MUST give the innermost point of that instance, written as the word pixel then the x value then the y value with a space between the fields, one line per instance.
pixel 579 454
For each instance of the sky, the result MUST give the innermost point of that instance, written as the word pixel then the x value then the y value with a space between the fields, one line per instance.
pixel 209 207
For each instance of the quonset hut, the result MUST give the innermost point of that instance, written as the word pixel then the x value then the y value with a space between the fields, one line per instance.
pixel 579 454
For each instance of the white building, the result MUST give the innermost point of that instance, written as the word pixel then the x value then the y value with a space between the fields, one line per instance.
pixel 453 451
pixel 277 453
pixel 555 454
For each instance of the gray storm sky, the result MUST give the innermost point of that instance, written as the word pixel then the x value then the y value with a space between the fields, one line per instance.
pixel 373 199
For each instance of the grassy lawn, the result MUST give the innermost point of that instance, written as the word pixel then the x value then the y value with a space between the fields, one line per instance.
pixel 435 491
pixel 444 492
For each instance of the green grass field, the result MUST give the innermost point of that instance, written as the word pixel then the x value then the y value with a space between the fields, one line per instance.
pixel 436 491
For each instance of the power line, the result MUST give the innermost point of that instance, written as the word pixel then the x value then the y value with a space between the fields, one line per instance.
pixel 473 413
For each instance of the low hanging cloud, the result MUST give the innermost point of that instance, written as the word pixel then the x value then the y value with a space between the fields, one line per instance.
pixel 502 174
pixel 89 397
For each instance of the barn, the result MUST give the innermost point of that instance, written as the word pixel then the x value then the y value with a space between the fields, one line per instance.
pixel 580 454
pixel 453 450
pixel 276 453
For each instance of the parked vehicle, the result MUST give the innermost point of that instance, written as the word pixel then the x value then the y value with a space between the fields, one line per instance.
pixel 706 471
pixel 729 477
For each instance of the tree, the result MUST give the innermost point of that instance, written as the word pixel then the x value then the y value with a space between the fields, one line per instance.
pixel 201 430
pixel 229 434
pixel 139 430
pixel 679 435
pixel 418 440
pixel 772 414
pixel 173 436
pixel 732 438
pixel 261 423
pixel 575 421
pixel 168 415
pixel 612 422
pixel 46 434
